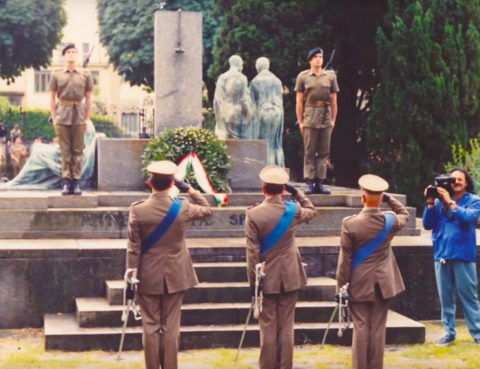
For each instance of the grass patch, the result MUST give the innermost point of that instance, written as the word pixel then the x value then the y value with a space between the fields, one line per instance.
pixel 23 349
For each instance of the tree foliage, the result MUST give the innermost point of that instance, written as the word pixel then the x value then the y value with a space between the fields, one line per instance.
pixel 29 31
pixel 284 31
pixel 429 59
pixel 126 30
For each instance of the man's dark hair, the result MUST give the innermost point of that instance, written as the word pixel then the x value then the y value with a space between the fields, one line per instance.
pixel 273 189
pixel 470 184
pixel 160 183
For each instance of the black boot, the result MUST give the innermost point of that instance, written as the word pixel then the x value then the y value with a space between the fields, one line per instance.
pixel 320 189
pixel 76 189
pixel 66 187
pixel 309 189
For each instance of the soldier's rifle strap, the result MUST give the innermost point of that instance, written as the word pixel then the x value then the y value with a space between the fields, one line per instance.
pixel 366 250
pixel 166 222
pixel 280 228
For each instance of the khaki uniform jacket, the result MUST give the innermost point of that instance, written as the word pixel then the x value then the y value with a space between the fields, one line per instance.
pixel 381 266
pixel 284 271
pixel 71 86
pixel 317 90
pixel 168 262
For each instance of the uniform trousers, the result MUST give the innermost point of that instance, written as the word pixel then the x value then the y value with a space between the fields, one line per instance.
pixel 161 329
pixel 316 142
pixel 276 330
pixel 460 276
pixel 70 139
pixel 369 330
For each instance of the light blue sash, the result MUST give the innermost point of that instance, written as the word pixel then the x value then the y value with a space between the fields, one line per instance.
pixel 366 250
pixel 166 222
pixel 279 230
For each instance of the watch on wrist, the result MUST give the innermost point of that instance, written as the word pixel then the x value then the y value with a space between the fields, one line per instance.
pixel 452 202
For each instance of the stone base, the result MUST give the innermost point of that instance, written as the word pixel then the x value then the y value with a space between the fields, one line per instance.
pixel 248 157
pixel 119 163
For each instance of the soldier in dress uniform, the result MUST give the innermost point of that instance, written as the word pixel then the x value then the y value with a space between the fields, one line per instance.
pixel 270 231
pixel 367 262
pixel 156 248
pixel 70 115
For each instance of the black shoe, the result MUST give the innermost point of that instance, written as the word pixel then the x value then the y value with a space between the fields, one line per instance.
pixel 309 189
pixel 445 341
pixel 67 187
pixel 76 189
pixel 320 189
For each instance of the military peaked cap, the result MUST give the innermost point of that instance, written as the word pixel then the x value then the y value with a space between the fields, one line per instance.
pixel 273 174
pixel 162 168
pixel 372 183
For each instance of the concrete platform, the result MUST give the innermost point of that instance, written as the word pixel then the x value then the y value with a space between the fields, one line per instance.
pixel 90 199
pixel 63 333
pixel 111 222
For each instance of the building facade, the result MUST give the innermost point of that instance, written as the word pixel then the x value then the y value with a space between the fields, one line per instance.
pixel 112 96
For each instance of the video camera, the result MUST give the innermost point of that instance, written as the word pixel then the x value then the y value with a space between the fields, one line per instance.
pixel 443 181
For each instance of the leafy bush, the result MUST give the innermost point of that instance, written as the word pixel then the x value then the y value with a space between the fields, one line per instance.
pixel 468 159
pixel 175 144
pixel 33 123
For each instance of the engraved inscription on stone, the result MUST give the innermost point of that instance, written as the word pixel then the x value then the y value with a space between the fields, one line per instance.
pixel 237 219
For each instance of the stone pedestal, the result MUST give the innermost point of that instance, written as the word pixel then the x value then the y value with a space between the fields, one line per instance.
pixel 178 69
pixel 248 158
pixel 119 163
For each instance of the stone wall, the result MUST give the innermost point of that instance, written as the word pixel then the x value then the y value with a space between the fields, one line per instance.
pixel 46 277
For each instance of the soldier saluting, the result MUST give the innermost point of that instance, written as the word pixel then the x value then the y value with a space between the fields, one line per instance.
pixel 366 261
pixel 70 115
pixel 156 248
pixel 270 231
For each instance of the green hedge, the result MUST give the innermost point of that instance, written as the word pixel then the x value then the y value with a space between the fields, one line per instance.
pixel 33 123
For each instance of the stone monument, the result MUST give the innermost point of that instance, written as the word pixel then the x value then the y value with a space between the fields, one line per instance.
pixel 266 93
pixel 178 69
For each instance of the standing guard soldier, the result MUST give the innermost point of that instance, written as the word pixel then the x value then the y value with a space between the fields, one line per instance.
pixel 367 262
pixel 316 109
pixel 270 231
pixel 69 116
pixel 156 248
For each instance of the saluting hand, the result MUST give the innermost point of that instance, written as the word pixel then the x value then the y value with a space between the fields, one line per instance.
pixel 181 185
pixel 290 188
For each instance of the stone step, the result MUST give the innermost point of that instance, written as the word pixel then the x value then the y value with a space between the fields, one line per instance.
pixel 92 199
pixel 111 222
pixel 317 289
pixel 63 333
pixel 96 312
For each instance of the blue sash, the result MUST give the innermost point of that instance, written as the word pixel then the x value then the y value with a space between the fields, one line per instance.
pixel 166 222
pixel 279 230
pixel 366 250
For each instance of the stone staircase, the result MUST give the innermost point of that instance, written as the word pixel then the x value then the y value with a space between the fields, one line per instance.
pixel 213 315
pixel 214 312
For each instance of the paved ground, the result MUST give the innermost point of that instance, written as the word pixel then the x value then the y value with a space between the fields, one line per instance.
pixel 23 349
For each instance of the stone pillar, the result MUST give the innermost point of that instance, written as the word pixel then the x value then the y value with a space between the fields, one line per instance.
pixel 178 69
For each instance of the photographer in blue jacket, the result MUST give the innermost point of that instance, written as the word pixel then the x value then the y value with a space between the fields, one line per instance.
pixel 452 212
